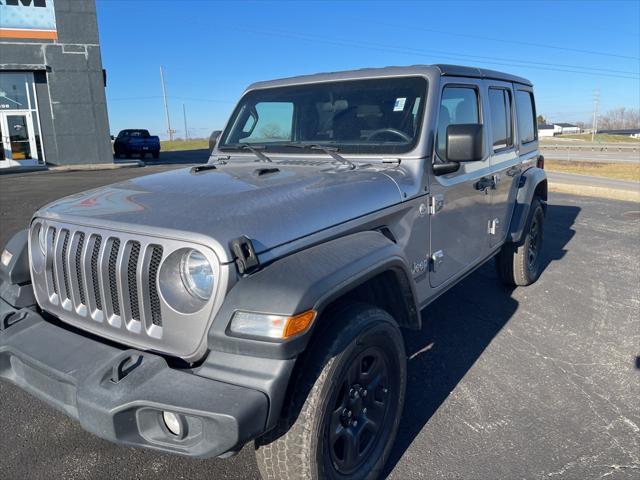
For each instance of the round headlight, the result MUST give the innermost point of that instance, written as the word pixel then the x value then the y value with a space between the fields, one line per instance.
pixel 42 238
pixel 197 274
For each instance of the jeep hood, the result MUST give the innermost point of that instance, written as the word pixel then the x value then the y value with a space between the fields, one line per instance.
pixel 272 204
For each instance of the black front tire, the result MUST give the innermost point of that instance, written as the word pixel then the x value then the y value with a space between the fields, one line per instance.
pixel 344 403
pixel 521 264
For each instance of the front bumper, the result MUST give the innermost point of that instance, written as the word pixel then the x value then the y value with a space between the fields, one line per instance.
pixel 120 395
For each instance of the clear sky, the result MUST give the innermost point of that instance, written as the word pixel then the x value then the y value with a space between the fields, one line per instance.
pixel 211 50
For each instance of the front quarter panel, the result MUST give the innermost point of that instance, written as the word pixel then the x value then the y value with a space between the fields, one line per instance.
pixel 308 279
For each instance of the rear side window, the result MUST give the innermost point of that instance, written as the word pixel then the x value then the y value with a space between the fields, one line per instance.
pixel 526 116
pixel 459 105
pixel 501 122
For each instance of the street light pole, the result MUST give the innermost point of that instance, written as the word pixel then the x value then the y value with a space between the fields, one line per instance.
pixel 166 105
pixel 184 113
pixel 594 125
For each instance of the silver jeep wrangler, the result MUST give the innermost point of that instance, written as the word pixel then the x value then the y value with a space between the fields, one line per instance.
pixel 262 296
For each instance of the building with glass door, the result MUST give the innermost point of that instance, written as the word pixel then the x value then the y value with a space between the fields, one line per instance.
pixel 52 84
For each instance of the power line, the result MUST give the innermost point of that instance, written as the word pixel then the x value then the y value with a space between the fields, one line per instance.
pixel 442 54
pixel 174 97
pixel 514 42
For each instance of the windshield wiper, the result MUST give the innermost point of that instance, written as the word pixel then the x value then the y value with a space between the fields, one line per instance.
pixel 331 151
pixel 255 150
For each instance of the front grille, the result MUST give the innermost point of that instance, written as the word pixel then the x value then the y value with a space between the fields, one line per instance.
pixel 123 285
pixel 93 277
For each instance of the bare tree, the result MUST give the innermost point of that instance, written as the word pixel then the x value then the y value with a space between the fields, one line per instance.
pixel 619 119
pixel 273 131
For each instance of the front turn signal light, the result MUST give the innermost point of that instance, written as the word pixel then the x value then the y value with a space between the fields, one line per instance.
pixel 276 327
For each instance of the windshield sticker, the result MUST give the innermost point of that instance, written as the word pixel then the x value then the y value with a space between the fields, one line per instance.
pixel 399 106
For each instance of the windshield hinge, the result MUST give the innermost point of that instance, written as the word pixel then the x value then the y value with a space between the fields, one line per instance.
pixel 244 255
pixel 436 203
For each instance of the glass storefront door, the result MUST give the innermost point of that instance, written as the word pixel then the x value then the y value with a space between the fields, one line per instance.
pixel 18 139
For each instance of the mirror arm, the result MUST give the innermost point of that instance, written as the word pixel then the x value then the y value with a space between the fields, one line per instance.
pixel 446 167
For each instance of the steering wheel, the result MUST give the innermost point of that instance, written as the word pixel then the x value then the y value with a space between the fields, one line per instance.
pixel 393 131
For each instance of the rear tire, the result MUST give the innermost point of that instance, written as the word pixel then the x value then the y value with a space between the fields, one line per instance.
pixel 344 405
pixel 521 264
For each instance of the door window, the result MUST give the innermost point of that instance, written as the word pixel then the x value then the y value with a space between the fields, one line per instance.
pixel 501 121
pixel 459 105
pixel 526 116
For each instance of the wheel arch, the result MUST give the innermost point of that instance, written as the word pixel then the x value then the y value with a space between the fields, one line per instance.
pixel 532 184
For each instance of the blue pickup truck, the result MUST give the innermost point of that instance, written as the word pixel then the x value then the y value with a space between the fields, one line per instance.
pixel 136 142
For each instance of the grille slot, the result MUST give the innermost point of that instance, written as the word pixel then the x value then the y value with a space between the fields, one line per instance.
pixel 154 265
pixel 132 280
pixel 113 284
pixel 63 263
pixel 94 271
pixel 79 276
pixel 50 249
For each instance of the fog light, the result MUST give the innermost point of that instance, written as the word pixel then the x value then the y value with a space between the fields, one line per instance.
pixel 173 423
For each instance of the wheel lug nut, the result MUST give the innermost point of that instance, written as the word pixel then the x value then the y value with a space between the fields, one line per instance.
pixel 364 393
pixel 355 423
pixel 364 411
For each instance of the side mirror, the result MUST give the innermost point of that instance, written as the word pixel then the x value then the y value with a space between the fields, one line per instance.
pixel 213 139
pixel 465 143
pixel 112 137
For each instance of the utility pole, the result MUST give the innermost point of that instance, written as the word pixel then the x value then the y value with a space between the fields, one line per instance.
pixel 184 113
pixel 166 105
pixel 594 125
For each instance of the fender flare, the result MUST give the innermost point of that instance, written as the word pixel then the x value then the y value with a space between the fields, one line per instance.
pixel 15 275
pixel 533 182
pixel 310 278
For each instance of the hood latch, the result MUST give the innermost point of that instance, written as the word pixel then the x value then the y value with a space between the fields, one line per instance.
pixel 245 255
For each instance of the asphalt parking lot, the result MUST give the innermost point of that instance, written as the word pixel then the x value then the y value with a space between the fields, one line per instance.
pixel 534 383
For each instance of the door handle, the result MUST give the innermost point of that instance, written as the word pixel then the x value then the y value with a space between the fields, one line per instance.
pixel 484 184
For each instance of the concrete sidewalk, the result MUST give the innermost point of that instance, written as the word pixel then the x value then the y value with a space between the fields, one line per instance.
pixel 594 186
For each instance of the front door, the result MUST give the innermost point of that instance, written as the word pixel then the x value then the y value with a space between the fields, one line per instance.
pixel 460 200
pixel 18 139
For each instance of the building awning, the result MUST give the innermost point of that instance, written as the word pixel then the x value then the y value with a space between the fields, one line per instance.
pixel 24 67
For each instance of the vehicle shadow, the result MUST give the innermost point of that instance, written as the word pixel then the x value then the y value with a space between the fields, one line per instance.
pixel 458 327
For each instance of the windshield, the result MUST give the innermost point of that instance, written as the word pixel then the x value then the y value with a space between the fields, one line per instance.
pixel 359 116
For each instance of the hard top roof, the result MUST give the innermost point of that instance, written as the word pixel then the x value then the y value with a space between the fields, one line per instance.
pixel 439 69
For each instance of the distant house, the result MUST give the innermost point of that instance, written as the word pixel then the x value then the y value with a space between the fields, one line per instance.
pixel 567 128
pixel 545 130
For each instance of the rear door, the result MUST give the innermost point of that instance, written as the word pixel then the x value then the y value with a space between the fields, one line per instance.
pixel 460 208
pixel 505 162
